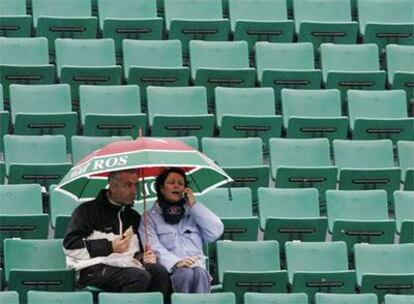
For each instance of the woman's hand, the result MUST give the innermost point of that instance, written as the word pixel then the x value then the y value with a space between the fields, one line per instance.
pixel 189 196
pixel 149 257
pixel 187 262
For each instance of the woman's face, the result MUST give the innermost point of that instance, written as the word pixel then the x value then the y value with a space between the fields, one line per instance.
pixel 173 187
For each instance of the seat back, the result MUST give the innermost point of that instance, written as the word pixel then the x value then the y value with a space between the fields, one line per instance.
pixel 266 298
pixel 327 298
pixel 48 297
pixel 12 7
pixel 212 298
pixel 24 51
pixel 405 157
pixel 124 298
pixel 21 199
pixel 404 208
pixel 10 297
pixel 400 58
pixel 63 8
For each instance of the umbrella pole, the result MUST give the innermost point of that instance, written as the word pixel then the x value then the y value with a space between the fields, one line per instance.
pixel 144 197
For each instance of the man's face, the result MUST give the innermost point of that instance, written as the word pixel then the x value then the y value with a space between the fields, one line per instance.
pixel 173 187
pixel 123 188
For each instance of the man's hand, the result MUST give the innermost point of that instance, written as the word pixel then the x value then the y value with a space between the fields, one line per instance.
pixel 187 262
pixel 121 245
pixel 149 257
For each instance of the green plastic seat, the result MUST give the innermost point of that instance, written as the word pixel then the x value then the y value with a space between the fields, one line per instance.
pixel 4 125
pixel 386 21
pixel 35 159
pixel 191 141
pixel 179 111
pixel 111 111
pixel 247 112
pixel 154 63
pixel 379 115
pixel 406 161
pixel 384 269
pixel 36 265
pixel 313 113
pixel 187 20
pixel 325 21
pixel 400 67
pixel 291 214
pixel 359 216
pixel 86 61
pixel 404 215
pixel 353 66
pixel 319 267
pixel 302 163
pixel 68 297
pixel 266 298
pixel 242 159
pixel 131 19
pixel 222 63
pixel 9 297
pixel 24 61
pixel 366 165
pixel 63 19
pixel 286 65
pixel 327 298
pixel 43 110
pixel 398 299
pixel 250 266
pixel 261 20
pixel 14 21
pixel 130 298
pixel 212 298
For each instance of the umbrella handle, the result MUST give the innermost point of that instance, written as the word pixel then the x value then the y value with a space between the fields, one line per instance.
pixel 146 244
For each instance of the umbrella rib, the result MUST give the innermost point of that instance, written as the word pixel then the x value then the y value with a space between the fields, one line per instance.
pixel 194 181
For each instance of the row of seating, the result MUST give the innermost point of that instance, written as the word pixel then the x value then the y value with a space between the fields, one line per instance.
pixel 244 267
pixel 212 64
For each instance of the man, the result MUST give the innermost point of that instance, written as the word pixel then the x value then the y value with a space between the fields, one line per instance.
pixel 102 243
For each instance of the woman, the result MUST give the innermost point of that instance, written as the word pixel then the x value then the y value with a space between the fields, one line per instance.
pixel 178 227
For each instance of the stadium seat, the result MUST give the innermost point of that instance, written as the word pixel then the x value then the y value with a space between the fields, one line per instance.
pixel 319 267
pixel 86 61
pixel 250 266
pixel 406 161
pixel 131 19
pixel 179 111
pixel 379 115
pixel 383 269
pixel 24 61
pixel 359 216
pixel 302 163
pixel 327 298
pixel 313 113
pixel 14 21
pixel 154 63
pixel 63 19
pixel 36 265
pixel 286 65
pixel 222 63
pixel 324 21
pixel 386 21
pixel 353 66
pixel 35 159
pixel 398 299
pixel 242 159
pixel 247 112
pixel 126 298
pixel 187 20
pixel 272 298
pixel 404 215
pixel 260 20
pixel 212 298
pixel 9 297
pixel 111 111
pixel 366 164
pixel 291 214
pixel 191 141
pixel 43 110
pixel 48 297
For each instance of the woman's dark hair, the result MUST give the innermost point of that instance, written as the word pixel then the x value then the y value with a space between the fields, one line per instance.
pixel 163 176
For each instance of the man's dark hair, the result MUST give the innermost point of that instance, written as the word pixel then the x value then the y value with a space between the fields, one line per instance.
pixel 163 176
pixel 113 175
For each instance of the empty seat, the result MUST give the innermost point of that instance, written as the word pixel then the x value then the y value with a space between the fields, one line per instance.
pixel 404 215
pixel 156 63
pixel 286 65
pixel 179 111
pixel 354 66
pixel 212 298
pixel 383 269
pixel 260 20
pixel 121 298
pixel 24 61
pixel 325 21
pixel 291 214
pixel 379 114
pixel 313 113
pixel 327 298
pixel 247 266
pixel 241 158
pixel 14 21
pixel 111 111
pixel 319 267
pixel 406 161
pixel 35 159
pixel 132 19
pixel 366 164
pixel 266 298
pixel 9 297
pixel 48 297
pixel 386 21
pixel 398 299
pixel 359 217
pixel 191 141
pixel 302 163
pixel 43 109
